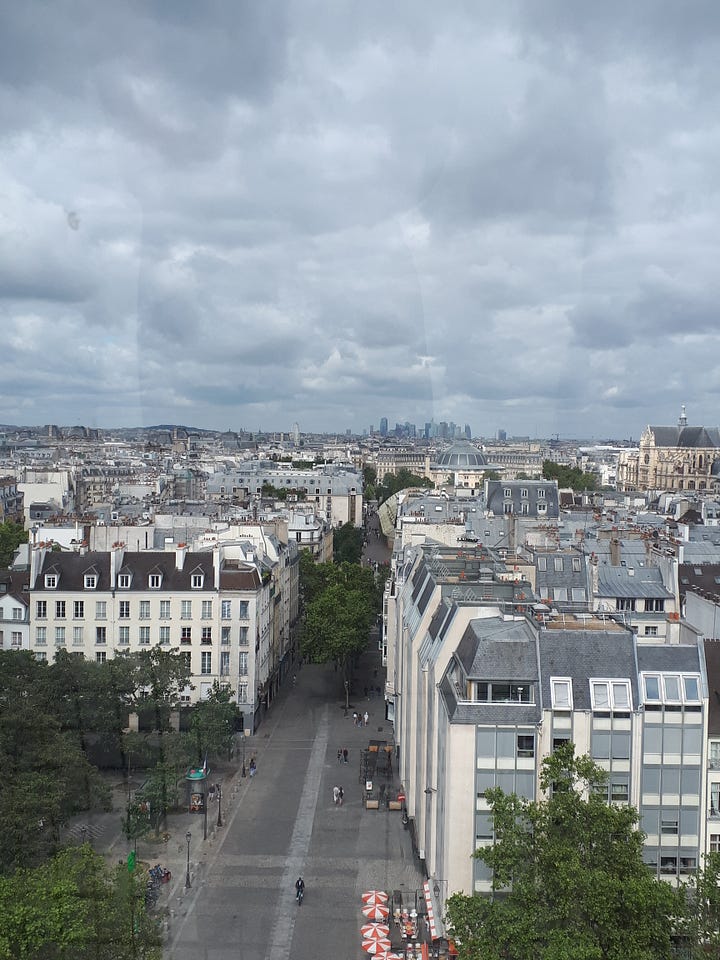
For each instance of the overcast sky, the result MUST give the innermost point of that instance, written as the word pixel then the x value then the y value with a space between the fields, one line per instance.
pixel 245 214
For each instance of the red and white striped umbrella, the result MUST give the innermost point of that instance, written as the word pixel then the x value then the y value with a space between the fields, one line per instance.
pixel 377 947
pixel 375 931
pixel 375 911
pixel 375 897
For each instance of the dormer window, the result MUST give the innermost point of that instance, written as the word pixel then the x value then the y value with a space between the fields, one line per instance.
pixel 90 581
pixel 154 581
pixel 51 581
pixel 123 581
pixel 197 580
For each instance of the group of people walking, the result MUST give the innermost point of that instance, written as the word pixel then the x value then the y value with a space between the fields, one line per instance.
pixel 338 796
pixel 361 719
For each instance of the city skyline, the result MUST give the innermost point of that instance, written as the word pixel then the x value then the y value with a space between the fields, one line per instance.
pixel 259 214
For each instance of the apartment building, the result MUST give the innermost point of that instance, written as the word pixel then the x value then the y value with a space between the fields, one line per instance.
pixel 11 501
pixel 14 610
pixel 481 689
pixel 223 609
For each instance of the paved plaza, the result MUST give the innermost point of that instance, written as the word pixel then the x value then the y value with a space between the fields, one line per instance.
pixel 282 823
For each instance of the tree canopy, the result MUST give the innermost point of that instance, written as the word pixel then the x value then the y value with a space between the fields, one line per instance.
pixel 347 544
pixel 393 482
pixel 572 477
pixel 11 536
pixel 568 875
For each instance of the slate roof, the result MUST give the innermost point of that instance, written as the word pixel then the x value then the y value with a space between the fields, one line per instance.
pixel 668 657
pixel 496 649
pixel 581 654
pixel 72 567
pixel 495 713
pixel 496 499
pixel 689 437
pixel 702 577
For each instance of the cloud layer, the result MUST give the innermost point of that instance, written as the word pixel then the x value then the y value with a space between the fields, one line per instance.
pixel 242 214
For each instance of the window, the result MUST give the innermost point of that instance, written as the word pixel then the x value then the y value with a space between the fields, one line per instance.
pixel 242 664
pixel 42 657
pixel 100 656
pixel 50 581
pixel 185 635
pixel 101 635
pixel 560 593
pixel 188 663
pixel 541 493
pixel 154 581
pixel 196 581
pixel 523 493
pixel 558 564
pixel 244 607
pixel 691 688
pixel 206 635
pixel 507 493
pixel 123 581
pixel 243 638
pixel 41 636
pixel 225 636
pixel 206 663
pixel 576 564
pixel 625 603
pixel 650 631
pixel 144 610
pixel 207 610
pixel 78 610
pixel 652 688
pixel 715 843
pixel 672 689
pixel 90 581
pixel 225 609
pixel 668 864
pixel 17 613
pixel 16 638
pixel 225 663
pixel 41 609
pixel 164 636
pixel 101 610
pixel 59 609
pixel 655 604
pixel 669 826
pixel 501 692
pixel 77 636
pixel 124 610
pixel 525 745
pixel 59 636
pixel 186 609
pixel 123 636
pixel 542 564
pixel 144 635
pixel 561 690
pixel 242 693
pixel 609 695
pixel 715 799
pixel 164 609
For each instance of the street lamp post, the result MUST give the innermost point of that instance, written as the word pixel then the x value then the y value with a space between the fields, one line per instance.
pixel 243 764
pixel 219 793
pixel 188 838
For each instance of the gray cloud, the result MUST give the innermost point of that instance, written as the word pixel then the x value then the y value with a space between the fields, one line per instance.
pixel 251 214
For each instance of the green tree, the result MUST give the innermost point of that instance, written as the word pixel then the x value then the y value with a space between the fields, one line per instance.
pixel 73 907
pixel 11 536
pixel 212 723
pixel 369 482
pixel 570 877
pixel 394 482
pixel 698 927
pixel 572 477
pixel 347 544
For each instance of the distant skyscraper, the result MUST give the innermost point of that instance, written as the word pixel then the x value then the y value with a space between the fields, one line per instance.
pixel 383 426
pixel 502 435
pixel 468 432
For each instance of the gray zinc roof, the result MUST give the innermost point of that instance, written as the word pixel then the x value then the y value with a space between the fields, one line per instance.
pixel 668 657
pixel 620 582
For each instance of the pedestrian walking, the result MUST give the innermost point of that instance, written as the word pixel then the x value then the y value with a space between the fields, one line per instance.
pixel 341 796
pixel 253 767
pixel 355 717
pixel 345 755
pixel 336 795
pixel 340 756
pixel 366 718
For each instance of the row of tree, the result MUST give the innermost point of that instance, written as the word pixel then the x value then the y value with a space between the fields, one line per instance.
pixel 569 881
pixel 569 477
pixel 391 483
pixel 11 536
pixel 59 720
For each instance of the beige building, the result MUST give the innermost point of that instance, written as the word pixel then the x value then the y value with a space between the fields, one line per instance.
pixel 672 458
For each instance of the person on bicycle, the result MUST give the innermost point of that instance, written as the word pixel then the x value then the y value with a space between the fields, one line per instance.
pixel 299 888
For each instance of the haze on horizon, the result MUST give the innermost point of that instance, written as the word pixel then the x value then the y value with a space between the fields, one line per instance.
pixel 243 214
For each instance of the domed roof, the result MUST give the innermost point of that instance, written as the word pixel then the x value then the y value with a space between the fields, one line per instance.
pixel 462 455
